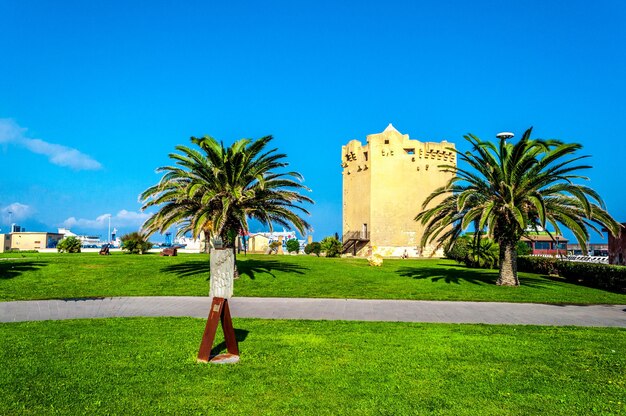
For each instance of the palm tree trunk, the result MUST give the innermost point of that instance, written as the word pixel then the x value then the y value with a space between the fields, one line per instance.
pixel 236 271
pixel 508 265
pixel 207 243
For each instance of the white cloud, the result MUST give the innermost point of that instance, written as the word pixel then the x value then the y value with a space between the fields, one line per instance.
pixel 11 132
pixel 122 219
pixel 18 212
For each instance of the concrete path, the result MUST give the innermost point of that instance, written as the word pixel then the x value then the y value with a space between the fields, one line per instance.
pixel 325 309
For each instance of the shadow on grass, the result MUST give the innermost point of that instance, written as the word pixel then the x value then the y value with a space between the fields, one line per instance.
pixel 10 268
pixel 189 268
pixel 240 334
pixel 251 267
pixel 248 267
pixel 582 283
pixel 459 274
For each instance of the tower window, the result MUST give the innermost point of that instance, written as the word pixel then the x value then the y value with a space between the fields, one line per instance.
pixel 410 151
pixel 365 156
pixel 386 141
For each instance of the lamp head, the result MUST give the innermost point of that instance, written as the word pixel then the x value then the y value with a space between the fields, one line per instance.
pixel 505 135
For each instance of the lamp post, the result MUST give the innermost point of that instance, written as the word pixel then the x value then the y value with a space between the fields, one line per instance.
pixel 558 253
pixel 109 232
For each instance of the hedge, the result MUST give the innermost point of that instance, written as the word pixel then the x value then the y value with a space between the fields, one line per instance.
pixel 539 265
pixel 602 276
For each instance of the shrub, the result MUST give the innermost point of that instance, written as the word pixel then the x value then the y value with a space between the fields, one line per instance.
pixel 485 254
pixel 331 246
pixel 69 245
pixel 458 250
pixel 602 276
pixel 314 247
pixel 538 265
pixel 293 246
pixel 135 243
pixel 523 249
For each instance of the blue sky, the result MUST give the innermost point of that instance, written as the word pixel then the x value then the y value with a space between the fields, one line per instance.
pixel 94 95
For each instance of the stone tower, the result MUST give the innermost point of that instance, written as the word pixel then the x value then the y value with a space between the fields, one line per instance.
pixel 385 183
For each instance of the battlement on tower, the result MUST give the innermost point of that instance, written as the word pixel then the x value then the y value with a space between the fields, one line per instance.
pixel 357 157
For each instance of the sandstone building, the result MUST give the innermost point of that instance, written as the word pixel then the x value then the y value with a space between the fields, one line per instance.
pixel 385 182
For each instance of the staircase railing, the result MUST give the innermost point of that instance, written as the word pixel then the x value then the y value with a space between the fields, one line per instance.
pixel 355 235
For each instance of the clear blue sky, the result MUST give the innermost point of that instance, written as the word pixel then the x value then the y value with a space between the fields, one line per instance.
pixel 109 88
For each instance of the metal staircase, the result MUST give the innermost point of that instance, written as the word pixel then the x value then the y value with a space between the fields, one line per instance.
pixel 354 241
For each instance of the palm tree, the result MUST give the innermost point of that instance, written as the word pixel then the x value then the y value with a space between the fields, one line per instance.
pixel 508 189
pixel 178 206
pixel 215 190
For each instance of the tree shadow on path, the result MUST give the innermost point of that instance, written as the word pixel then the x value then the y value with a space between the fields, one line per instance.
pixel 458 274
pixel 247 267
pixel 13 268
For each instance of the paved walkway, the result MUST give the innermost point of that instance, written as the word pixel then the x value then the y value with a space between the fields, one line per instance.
pixel 325 309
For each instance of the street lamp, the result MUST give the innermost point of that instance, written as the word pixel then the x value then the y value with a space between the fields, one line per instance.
pixel 558 253
pixel 109 234
pixel 505 135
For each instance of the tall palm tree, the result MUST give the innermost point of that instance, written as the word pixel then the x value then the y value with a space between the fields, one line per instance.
pixel 508 189
pixel 215 190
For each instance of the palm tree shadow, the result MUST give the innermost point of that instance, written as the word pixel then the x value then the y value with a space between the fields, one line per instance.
pixel 10 269
pixel 251 267
pixel 248 267
pixel 459 274
pixel 240 335
pixel 191 268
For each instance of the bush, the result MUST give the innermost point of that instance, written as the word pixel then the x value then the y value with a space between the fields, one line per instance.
pixel 538 265
pixel 523 249
pixel 602 276
pixel 135 243
pixel 484 255
pixel 458 250
pixel 293 246
pixel 69 245
pixel 314 247
pixel 331 246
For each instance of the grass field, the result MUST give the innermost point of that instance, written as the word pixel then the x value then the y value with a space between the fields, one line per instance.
pixel 44 276
pixel 147 366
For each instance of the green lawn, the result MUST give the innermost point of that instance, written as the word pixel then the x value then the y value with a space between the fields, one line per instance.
pixel 42 276
pixel 147 366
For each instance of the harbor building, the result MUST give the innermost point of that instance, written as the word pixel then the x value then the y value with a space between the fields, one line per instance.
pixel 29 241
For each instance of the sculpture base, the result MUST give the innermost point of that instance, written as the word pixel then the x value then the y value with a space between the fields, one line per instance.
pixel 222 359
